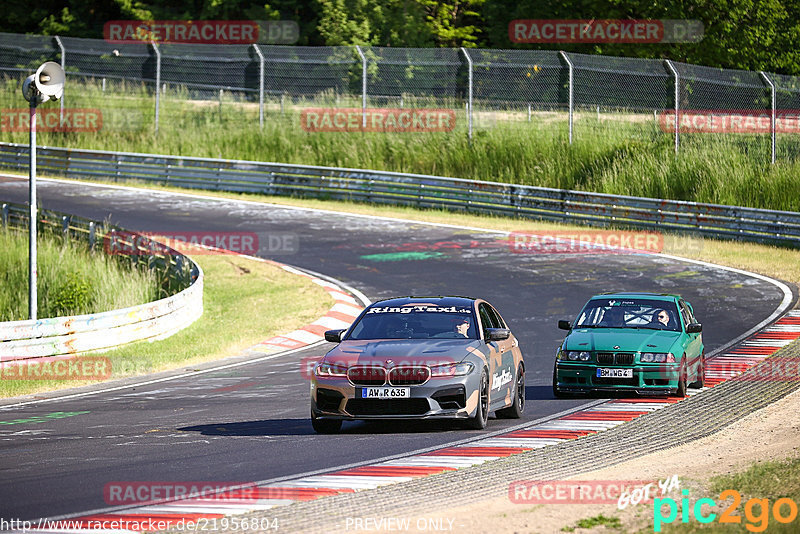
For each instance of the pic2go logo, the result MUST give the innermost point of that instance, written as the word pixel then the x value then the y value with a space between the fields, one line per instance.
pixel 756 511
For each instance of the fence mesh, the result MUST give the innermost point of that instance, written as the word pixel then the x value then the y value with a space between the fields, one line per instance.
pixel 250 83
pixel 22 53
pixel 787 97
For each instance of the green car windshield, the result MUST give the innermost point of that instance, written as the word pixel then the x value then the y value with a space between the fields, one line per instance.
pixel 615 312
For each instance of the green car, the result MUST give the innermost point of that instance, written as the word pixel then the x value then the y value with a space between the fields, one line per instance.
pixel 642 343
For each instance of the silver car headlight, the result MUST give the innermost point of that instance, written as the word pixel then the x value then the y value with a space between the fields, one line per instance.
pixel 451 369
pixel 330 370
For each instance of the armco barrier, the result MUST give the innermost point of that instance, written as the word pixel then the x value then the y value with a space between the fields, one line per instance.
pixel 730 222
pixel 61 336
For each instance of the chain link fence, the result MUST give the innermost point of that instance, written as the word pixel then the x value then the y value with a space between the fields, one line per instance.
pixel 572 96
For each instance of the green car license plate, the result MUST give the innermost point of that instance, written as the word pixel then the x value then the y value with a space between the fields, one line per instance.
pixel 605 372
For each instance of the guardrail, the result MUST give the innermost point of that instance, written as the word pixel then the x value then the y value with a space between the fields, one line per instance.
pixel 181 279
pixel 596 209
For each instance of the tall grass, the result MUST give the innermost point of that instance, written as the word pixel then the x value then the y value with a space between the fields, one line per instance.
pixel 611 153
pixel 71 279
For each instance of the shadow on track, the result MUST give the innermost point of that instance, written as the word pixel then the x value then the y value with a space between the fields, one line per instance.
pixel 302 427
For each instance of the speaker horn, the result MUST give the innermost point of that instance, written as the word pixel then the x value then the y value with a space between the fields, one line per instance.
pixel 46 84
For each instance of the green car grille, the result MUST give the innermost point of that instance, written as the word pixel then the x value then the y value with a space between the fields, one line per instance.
pixel 615 358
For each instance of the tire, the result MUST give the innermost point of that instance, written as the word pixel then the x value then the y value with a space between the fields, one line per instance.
pixel 518 402
pixel 701 373
pixel 325 426
pixel 682 377
pixel 557 393
pixel 482 412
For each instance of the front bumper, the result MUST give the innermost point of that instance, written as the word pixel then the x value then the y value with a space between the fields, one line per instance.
pixel 652 379
pixel 451 398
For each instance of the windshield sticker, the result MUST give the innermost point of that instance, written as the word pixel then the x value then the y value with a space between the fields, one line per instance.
pixel 633 302
pixel 419 309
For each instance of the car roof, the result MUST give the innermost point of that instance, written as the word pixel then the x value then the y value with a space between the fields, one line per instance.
pixel 642 294
pixel 436 300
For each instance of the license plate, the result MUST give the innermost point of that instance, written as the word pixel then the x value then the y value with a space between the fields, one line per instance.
pixel 604 372
pixel 384 393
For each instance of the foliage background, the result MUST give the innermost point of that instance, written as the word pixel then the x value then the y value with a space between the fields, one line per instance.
pixel 743 34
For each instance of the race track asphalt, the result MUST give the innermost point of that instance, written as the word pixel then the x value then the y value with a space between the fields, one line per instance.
pixel 250 423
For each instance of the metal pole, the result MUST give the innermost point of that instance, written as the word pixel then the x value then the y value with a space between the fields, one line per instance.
pixel 64 67
pixel 158 78
pixel 772 117
pixel 469 93
pixel 32 218
pixel 363 87
pixel 674 72
pixel 571 99
pixel 260 85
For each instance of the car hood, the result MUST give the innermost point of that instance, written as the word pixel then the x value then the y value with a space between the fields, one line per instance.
pixel 621 339
pixel 402 351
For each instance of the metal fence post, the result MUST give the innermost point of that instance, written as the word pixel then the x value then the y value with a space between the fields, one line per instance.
pixel 772 106
pixel 33 221
pixel 158 78
pixel 677 79
pixel 571 92
pixel 363 87
pixel 64 68
pixel 260 85
pixel 469 93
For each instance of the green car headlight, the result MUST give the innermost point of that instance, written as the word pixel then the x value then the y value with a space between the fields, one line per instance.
pixel 575 355
pixel 657 357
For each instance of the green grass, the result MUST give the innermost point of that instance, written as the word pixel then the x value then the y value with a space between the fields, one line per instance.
pixel 245 302
pixel 71 279
pixel 596 521
pixel 770 480
pixel 616 154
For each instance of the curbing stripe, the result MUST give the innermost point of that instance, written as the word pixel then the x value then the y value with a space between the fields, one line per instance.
pixel 575 425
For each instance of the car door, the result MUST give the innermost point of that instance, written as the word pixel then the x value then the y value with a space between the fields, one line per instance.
pixel 694 347
pixel 500 375
pixel 510 356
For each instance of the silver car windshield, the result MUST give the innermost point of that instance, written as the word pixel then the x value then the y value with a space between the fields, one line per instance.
pixel 415 322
